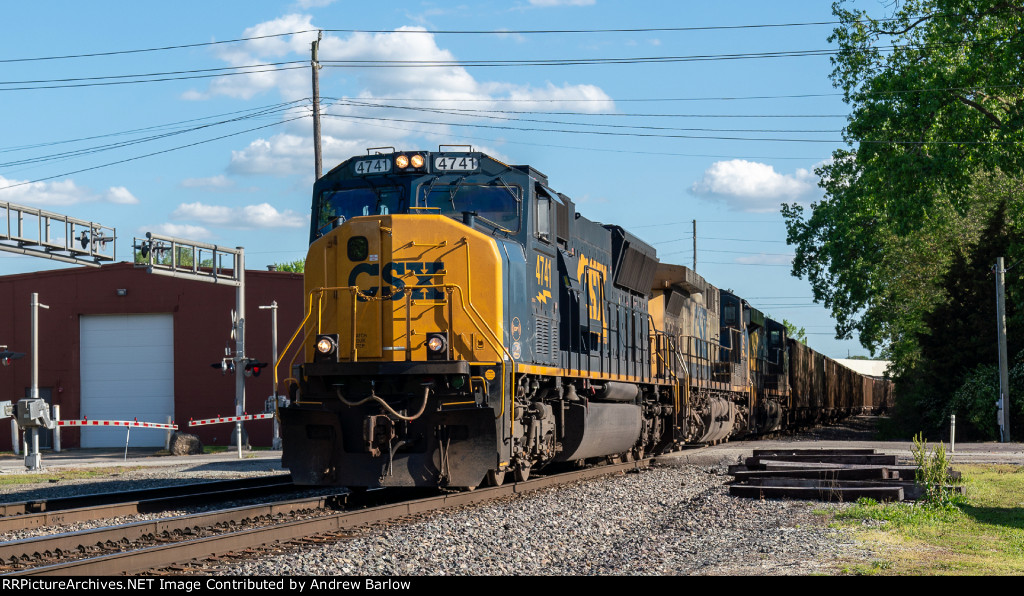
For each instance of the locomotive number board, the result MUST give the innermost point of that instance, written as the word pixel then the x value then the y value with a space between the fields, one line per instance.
pixel 456 164
pixel 372 166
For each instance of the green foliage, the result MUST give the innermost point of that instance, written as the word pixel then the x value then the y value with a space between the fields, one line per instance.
pixel 899 515
pixel 298 266
pixel 974 403
pixel 933 475
pixel 936 105
pixel 794 332
pixel 982 538
pixel 925 197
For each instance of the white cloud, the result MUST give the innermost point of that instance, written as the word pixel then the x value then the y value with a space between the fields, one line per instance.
pixel 270 47
pixel 249 216
pixel 348 129
pixel 180 231
pixel 120 196
pixel 213 182
pixel 59 194
pixel 752 186
pixel 314 3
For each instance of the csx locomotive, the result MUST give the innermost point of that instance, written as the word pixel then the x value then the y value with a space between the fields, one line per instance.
pixel 465 324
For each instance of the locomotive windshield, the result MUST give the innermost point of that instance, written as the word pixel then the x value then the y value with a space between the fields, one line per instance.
pixel 496 204
pixel 342 205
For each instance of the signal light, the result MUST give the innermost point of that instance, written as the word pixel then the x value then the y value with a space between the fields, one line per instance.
pixel 226 366
pixel 6 356
pixel 253 367
pixel 402 161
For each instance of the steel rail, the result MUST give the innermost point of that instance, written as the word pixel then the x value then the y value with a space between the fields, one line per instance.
pixel 75 542
pixel 155 505
pixel 63 503
pixel 160 557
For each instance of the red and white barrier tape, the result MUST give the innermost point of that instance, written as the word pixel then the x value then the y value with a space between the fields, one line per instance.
pixel 230 419
pixel 128 423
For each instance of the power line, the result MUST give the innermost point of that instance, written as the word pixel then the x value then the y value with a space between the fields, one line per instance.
pixel 127 143
pixel 147 128
pixel 427 32
pixel 588 132
pixel 159 78
pixel 157 49
pixel 489 114
pixel 150 154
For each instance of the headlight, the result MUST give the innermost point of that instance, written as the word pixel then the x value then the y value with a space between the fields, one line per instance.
pixel 325 345
pixel 417 161
pixel 402 161
pixel 437 346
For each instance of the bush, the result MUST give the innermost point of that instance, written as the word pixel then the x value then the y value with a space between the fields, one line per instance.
pixel 974 403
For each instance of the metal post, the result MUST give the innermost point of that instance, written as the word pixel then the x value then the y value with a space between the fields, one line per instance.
pixel 15 436
pixel 33 459
pixel 240 346
pixel 952 433
pixel 316 105
pixel 273 341
pixel 56 429
pixel 1004 385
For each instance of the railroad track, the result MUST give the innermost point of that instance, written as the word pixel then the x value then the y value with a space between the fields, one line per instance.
pixel 26 515
pixel 186 543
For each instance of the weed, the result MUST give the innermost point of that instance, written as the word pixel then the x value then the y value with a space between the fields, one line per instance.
pixel 933 475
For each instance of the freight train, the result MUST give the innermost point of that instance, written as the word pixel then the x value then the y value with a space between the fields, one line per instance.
pixel 465 326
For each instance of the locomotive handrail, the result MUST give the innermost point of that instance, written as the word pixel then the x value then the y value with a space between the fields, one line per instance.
pixel 485 330
pixel 284 352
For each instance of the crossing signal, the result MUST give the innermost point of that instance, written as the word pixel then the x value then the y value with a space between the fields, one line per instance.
pixel 226 366
pixel 6 356
pixel 253 367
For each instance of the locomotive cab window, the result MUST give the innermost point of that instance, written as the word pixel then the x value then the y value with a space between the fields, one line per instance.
pixel 497 205
pixel 340 205
pixel 730 313
pixel 543 215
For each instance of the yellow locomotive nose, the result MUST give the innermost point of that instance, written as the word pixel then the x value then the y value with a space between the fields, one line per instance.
pixel 388 285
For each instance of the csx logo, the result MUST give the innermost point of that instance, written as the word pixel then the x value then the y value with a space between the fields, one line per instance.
pixel 394 276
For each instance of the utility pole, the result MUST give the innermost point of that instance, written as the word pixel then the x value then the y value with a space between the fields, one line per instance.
pixel 316 105
pixel 1004 385
pixel 695 246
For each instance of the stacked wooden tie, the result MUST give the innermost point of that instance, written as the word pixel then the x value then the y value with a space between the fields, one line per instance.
pixel 826 475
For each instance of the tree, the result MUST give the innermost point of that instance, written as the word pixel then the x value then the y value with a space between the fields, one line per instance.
pixel 298 266
pixel 937 104
pixel 794 332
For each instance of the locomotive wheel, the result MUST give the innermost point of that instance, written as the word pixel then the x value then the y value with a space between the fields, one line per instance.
pixel 522 473
pixel 495 477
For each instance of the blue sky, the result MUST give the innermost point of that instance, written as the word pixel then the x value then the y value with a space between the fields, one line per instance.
pixel 650 143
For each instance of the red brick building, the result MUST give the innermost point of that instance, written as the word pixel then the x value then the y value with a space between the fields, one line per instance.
pixel 119 343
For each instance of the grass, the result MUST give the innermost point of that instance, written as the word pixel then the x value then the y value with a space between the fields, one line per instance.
pixel 58 475
pixel 981 533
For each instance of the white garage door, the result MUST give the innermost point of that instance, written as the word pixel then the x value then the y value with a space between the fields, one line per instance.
pixel 127 372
